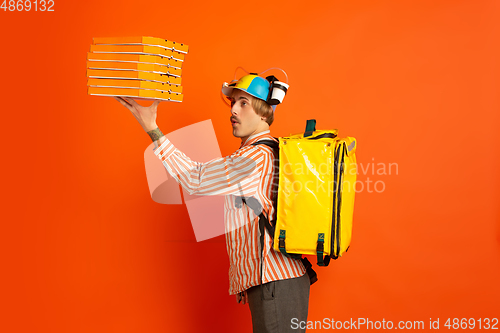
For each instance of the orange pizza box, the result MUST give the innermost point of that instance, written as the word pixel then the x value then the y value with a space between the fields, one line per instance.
pixel 149 41
pixel 134 66
pixel 135 93
pixel 137 49
pixel 138 84
pixel 133 75
pixel 146 59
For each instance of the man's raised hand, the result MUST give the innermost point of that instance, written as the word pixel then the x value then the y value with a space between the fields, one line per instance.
pixel 145 115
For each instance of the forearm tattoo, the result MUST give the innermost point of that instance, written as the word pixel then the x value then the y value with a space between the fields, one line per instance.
pixel 155 134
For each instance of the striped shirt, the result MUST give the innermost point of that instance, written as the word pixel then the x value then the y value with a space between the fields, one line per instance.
pixel 248 172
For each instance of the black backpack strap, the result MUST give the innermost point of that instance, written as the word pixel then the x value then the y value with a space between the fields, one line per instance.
pixel 320 250
pixel 313 277
pixel 270 143
pixel 269 222
pixel 265 222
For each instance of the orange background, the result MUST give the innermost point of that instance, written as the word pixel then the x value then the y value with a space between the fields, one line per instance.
pixel 85 249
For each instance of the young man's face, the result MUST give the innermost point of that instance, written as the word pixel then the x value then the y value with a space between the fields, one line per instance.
pixel 244 120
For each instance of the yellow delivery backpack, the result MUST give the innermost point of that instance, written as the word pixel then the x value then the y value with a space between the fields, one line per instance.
pixel 315 198
pixel 317 179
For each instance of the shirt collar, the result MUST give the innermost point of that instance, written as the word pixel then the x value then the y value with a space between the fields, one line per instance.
pixel 256 137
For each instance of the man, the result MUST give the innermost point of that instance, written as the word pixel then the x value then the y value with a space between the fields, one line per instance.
pixel 249 173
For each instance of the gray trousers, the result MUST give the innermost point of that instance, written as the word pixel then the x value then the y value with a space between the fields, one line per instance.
pixel 283 300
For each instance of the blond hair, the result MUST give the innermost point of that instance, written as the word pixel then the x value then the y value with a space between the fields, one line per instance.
pixel 263 109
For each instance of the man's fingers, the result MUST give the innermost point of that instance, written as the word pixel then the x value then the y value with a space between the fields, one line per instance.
pixel 122 101
pixel 131 101
pixel 245 297
pixel 127 105
pixel 242 297
pixel 132 105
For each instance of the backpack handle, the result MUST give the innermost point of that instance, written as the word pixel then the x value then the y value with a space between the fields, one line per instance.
pixel 310 127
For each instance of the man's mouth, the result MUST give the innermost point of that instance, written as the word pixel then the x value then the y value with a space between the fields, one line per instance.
pixel 234 122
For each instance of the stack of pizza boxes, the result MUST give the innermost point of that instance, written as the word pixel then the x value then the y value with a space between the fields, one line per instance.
pixel 136 67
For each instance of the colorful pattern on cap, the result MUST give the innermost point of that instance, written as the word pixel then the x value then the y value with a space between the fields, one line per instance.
pixel 251 84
